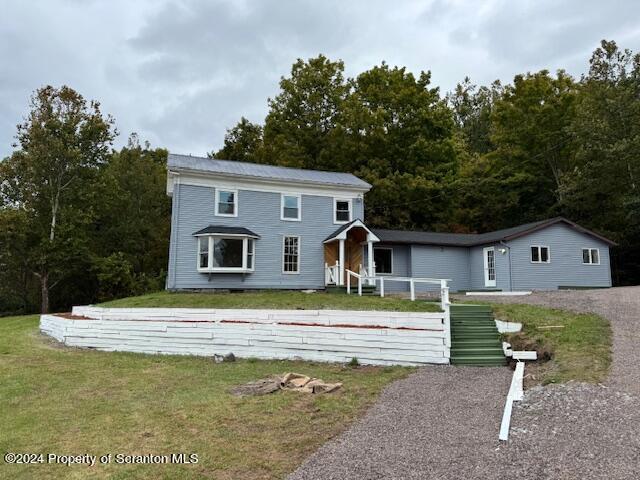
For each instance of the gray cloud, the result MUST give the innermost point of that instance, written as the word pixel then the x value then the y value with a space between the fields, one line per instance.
pixel 179 72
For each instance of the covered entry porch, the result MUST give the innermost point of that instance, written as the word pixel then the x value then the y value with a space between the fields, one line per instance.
pixel 344 251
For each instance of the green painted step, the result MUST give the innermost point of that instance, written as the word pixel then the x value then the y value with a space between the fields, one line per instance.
pixel 490 361
pixel 471 330
pixel 472 323
pixel 474 337
pixel 476 352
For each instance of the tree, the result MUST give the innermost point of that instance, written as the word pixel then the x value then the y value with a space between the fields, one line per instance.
pixel 300 125
pixel 399 137
pixel 61 144
pixel 133 218
pixel 604 192
pixel 242 143
pixel 472 107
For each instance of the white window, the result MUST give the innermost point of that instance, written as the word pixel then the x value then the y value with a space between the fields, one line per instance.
pixel 591 256
pixel 218 253
pixel 383 259
pixel 290 207
pixel 291 255
pixel 226 203
pixel 341 210
pixel 540 254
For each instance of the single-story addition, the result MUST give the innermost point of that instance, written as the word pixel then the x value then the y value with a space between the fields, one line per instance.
pixel 238 225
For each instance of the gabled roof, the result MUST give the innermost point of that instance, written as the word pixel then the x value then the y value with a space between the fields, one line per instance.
pixel 266 172
pixel 341 232
pixel 226 230
pixel 473 239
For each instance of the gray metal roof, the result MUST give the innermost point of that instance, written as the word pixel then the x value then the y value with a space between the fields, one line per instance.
pixel 271 172
pixel 473 239
pixel 224 229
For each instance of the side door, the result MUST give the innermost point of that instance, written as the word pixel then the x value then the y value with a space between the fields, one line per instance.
pixel 489 254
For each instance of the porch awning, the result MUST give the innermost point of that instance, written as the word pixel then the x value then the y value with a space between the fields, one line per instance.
pixel 226 230
pixel 341 233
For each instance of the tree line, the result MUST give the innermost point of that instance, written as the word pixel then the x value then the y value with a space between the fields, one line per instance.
pixel 82 222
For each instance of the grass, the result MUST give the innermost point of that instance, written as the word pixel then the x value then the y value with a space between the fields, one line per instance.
pixel 581 349
pixel 275 300
pixel 73 401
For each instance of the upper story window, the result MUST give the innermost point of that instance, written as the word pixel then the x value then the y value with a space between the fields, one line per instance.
pixel 226 203
pixel 290 207
pixel 591 256
pixel 383 259
pixel 218 253
pixel 341 210
pixel 540 254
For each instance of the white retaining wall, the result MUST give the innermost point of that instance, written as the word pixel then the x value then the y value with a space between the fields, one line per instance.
pixel 380 338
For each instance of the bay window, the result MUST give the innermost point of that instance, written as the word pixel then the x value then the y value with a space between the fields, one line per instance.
pixel 217 253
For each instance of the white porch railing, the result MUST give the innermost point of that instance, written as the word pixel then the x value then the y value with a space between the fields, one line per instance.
pixel 331 274
pixel 445 302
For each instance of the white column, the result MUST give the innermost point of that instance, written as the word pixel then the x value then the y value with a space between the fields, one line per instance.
pixel 370 261
pixel 341 260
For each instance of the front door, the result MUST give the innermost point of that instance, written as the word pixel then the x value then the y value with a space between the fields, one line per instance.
pixel 489 254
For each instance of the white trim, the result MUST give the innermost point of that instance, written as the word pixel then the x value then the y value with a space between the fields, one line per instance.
pixel 540 247
pixel 221 234
pixel 384 248
pixel 182 177
pixel 357 223
pixel 299 197
pixel 335 210
pixel 485 260
pixel 591 262
pixel 297 272
pixel 211 269
pixel 235 203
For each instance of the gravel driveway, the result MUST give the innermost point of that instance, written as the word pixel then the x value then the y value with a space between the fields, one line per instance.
pixel 442 422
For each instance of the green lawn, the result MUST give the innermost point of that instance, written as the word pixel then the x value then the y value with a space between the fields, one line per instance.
pixel 72 401
pixel 276 299
pixel 581 349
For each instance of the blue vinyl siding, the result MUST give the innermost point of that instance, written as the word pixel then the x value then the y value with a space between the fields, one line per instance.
pixel 566 267
pixel 441 262
pixel 193 209
pixel 401 258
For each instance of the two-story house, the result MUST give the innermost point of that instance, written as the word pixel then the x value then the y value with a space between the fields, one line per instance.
pixel 238 225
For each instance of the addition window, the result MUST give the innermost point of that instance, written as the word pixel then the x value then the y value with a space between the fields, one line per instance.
pixel 539 254
pixel 383 259
pixel 591 256
pixel 225 254
pixel 341 210
pixel 291 255
pixel 290 208
pixel 226 203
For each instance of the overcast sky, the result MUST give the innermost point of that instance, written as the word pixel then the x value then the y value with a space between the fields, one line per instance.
pixel 180 72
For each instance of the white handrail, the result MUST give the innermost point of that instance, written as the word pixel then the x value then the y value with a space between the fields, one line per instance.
pixel 358 276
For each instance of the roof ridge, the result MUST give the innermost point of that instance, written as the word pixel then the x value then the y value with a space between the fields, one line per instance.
pixel 260 164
